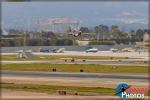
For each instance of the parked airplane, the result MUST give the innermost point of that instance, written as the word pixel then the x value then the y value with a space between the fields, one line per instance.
pixel 114 50
pixel 61 50
pixel 91 49
pixel 54 50
pixel 45 50
pixel 127 50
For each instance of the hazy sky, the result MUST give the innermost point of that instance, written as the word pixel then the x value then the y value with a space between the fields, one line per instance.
pixel 89 13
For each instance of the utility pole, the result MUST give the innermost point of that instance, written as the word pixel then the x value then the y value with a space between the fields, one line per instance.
pixel 98 36
pixel 103 36
pixel 24 39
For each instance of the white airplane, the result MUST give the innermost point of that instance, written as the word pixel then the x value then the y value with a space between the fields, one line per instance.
pixel 92 50
pixel 61 50
pixel 114 50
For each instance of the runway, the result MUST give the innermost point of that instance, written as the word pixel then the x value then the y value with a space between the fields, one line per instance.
pixel 73 75
pixel 105 80
pixel 27 95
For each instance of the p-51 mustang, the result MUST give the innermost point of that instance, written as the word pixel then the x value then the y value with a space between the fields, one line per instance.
pixel 75 33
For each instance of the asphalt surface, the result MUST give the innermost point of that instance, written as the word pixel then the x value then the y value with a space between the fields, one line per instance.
pixel 72 75
pixel 103 62
pixel 78 61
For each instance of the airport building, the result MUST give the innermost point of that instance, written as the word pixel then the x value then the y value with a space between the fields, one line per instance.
pixel 145 45
pixel 146 40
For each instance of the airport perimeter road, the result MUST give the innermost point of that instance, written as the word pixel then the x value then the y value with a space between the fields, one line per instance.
pixel 142 55
pixel 73 75
pixel 104 62
pixel 79 61
pixel 23 62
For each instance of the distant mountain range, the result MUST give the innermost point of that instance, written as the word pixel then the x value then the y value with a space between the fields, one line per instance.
pixel 25 15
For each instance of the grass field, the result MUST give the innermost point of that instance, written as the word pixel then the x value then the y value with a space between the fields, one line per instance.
pixel 13 57
pixel 92 68
pixel 54 89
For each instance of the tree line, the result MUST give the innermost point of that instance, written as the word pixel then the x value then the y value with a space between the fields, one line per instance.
pixel 103 35
pixel 114 35
pixel 34 39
